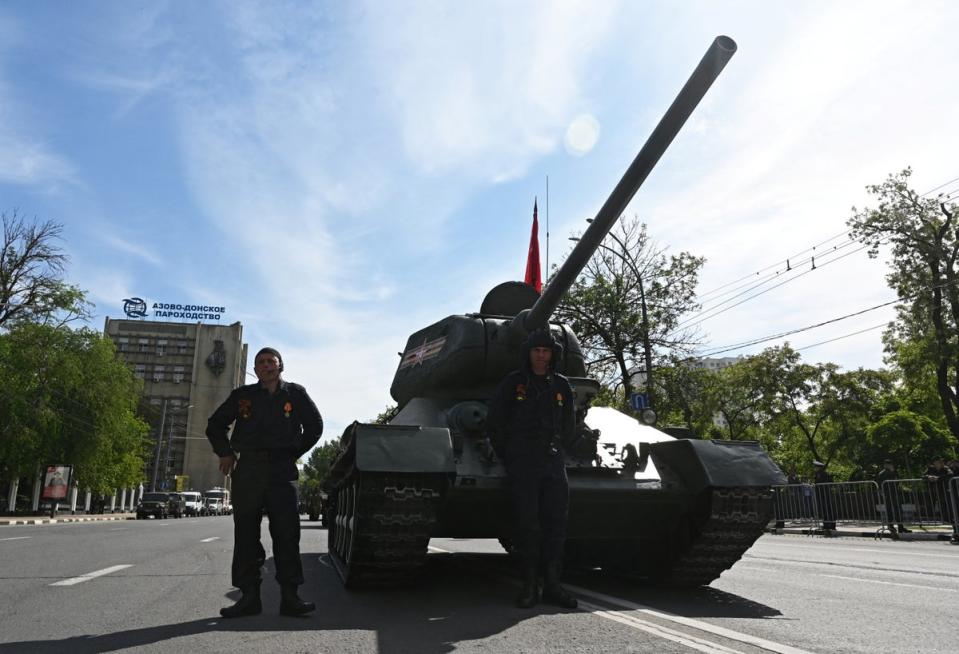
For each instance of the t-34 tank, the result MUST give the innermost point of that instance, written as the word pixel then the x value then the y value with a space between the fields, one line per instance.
pixel 426 473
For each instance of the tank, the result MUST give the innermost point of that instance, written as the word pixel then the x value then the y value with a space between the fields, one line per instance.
pixel 682 514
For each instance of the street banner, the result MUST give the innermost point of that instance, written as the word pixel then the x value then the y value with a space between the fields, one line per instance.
pixel 56 482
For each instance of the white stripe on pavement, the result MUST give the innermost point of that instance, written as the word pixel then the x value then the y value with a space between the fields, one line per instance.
pixel 16 538
pixel 658 630
pixel 747 639
pixel 92 575
pixel 438 549
pixel 210 540
pixel 892 583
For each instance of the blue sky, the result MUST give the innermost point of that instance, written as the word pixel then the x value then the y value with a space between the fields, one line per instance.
pixel 338 175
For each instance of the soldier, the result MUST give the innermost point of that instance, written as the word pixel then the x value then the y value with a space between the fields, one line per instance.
pixel 891 496
pixel 275 422
pixel 529 425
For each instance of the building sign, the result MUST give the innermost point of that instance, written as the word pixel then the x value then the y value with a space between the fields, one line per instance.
pixel 56 482
pixel 136 307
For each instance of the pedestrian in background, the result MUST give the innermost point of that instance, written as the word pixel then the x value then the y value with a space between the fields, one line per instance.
pixel 938 475
pixel 824 497
pixel 530 424
pixel 274 423
pixel 891 496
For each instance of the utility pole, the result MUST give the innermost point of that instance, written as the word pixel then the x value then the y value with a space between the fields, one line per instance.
pixel 156 457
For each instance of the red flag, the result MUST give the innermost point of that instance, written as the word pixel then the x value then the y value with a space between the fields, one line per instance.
pixel 532 259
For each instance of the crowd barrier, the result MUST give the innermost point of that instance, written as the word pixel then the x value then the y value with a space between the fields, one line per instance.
pixel 899 502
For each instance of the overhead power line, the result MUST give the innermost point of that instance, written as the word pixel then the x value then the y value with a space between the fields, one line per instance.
pixel 839 338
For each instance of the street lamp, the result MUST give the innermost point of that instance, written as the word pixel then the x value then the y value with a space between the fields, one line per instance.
pixel 647 351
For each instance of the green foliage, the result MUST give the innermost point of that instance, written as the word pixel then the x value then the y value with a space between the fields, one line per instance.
pixel 387 414
pixel 604 305
pixel 65 398
pixel 910 439
pixel 317 467
pixel 923 342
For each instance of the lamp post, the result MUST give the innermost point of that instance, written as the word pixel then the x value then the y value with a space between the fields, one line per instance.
pixel 647 351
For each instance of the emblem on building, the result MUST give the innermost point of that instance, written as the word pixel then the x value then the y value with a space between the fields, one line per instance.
pixel 216 362
pixel 135 307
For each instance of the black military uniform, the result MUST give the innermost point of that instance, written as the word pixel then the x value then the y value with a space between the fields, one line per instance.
pixel 827 512
pixel 271 431
pixel 891 497
pixel 530 424
pixel 937 478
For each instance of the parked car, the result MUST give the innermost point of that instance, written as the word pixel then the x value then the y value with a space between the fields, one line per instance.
pixel 176 505
pixel 194 503
pixel 154 504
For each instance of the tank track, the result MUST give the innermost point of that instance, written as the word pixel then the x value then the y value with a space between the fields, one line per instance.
pixel 381 526
pixel 738 517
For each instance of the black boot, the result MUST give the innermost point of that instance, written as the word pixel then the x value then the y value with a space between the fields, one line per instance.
pixel 291 604
pixel 529 594
pixel 248 604
pixel 553 592
pixel 903 530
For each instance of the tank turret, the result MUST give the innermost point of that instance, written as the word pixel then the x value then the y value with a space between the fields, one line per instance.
pixel 682 514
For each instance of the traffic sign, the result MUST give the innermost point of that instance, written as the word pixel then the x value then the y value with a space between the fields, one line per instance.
pixel 639 401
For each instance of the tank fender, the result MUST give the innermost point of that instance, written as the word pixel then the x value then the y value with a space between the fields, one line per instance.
pixel 698 464
pixel 402 448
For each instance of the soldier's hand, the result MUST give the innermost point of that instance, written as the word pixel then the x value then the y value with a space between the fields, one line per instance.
pixel 227 463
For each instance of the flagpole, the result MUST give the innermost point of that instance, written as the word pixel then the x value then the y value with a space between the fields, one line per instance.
pixel 547 227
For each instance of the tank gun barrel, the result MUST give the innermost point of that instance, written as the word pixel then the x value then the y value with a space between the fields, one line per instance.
pixel 712 63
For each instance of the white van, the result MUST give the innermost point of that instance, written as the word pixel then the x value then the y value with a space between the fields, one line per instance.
pixel 194 502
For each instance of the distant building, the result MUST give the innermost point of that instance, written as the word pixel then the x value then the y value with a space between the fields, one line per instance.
pixel 708 363
pixel 187 369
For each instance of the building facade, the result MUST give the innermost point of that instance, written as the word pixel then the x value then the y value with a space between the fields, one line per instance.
pixel 187 369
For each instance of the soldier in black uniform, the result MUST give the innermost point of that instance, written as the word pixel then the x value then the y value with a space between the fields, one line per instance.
pixel 891 496
pixel 275 422
pixel 529 425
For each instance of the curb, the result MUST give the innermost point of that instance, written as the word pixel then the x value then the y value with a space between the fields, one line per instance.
pixel 54 521
pixel 874 534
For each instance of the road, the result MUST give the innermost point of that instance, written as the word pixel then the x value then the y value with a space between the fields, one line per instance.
pixel 156 586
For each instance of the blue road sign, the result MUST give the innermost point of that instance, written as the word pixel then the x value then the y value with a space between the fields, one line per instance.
pixel 639 401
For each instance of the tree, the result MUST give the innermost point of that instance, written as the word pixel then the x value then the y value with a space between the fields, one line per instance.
pixel 32 288
pixel 64 397
pixel 910 439
pixel 387 414
pixel 923 235
pixel 604 305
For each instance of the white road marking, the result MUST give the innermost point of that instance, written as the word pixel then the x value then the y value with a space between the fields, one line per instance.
pixel 755 641
pixel 892 583
pixel 439 549
pixel 210 540
pixel 866 549
pixel 658 630
pixel 91 575
pixel 120 529
pixel 17 538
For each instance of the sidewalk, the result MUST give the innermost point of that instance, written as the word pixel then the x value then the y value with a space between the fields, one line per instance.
pixel 63 518
pixel 868 531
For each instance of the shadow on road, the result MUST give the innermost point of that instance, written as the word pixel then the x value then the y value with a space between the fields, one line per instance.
pixel 431 618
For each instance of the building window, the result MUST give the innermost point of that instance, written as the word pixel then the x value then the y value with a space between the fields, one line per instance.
pixel 140 371
pixel 123 344
pixel 158 373
pixel 161 348
pixel 182 345
pixel 144 344
pixel 177 374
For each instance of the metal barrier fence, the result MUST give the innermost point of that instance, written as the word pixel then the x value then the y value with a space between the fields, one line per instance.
pixel 899 502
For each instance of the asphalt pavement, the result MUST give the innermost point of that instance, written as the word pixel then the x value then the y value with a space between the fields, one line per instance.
pixel 151 586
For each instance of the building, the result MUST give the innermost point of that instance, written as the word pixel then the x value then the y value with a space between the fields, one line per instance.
pixel 187 369
pixel 717 363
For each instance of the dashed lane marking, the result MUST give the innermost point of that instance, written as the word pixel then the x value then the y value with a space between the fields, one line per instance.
pixel 210 540
pixel 439 549
pixel 892 583
pixel 658 630
pixel 729 634
pixel 91 575
pixel 17 538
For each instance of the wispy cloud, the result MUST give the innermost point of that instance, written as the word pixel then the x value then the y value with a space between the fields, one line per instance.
pixel 142 253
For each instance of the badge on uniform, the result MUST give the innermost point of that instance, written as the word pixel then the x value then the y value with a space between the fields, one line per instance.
pixel 520 392
pixel 287 408
pixel 245 408
pixel 559 399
